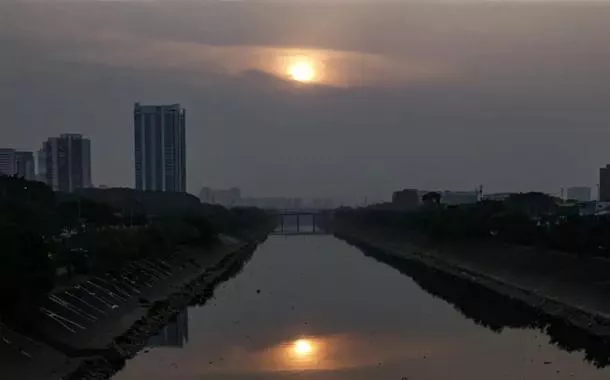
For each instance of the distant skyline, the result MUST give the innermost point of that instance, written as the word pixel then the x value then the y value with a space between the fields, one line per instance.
pixel 411 95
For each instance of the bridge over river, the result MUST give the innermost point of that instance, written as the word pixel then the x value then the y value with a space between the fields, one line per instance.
pixel 301 222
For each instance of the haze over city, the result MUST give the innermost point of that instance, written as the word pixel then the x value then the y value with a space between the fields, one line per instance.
pixel 319 189
pixel 512 96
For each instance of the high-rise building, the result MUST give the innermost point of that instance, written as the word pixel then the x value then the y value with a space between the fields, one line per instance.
pixel 604 184
pixel 41 166
pixel 24 164
pixel 160 147
pixel 7 162
pixel 67 162
pixel 579 193
pixel 13 162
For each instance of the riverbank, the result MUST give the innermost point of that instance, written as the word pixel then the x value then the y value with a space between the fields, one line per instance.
pixel 90 338
pixel 566 287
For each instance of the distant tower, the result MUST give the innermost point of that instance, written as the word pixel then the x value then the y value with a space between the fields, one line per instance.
pixel 67 162
pixel 24 164
pixel 479 192
pixel 19 163
pixel 7 162
pixel 160 147
pixel 41 166
pixel 604 184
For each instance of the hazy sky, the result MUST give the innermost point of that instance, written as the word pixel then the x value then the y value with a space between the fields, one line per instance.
pixel 514 96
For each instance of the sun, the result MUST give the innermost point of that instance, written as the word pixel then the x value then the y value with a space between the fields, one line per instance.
pixel 303 347
pixel 302 72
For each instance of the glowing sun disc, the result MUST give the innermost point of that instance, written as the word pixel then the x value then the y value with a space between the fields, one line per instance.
pixel 302 72
pixel 303 347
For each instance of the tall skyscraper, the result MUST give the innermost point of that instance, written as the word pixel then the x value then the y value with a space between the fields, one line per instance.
pixel 24 164
pixel 67 162
pixel 604 184
pixel 160 147
pixel 41 165
pixel 7 162
pixel 13 162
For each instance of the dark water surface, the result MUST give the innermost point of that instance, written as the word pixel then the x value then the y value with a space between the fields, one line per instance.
pixel 317 308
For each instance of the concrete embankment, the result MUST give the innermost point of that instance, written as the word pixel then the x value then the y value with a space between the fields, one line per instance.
pixel 89 329
pixel 570 288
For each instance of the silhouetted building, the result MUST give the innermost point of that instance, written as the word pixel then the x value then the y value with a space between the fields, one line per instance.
pixel 13 162
pixel 24 163
pixel 206 195
pixel 7 162
pixel 225 197
pixel 41 166
pixel 579 193
pixel 406 199
pixel 175 334
pixel 459 197
pixel 604 184
pixel 67 162
pixel 322 203
pixel 497 196
pixel 272 203
pixel 593 208
pixel 160 147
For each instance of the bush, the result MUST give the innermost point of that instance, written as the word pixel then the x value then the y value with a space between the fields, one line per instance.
pixel 26 271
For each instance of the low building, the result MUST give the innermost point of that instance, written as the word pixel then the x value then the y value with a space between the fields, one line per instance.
pixel 322 203
pixel 497 196
pixel 579 193
pixel 224 197
pixel 459 197
pixel 7 162
pixel 19 163
pixel 273 203
pixel 593 208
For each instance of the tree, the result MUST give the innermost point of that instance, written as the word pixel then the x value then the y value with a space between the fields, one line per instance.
pixel 26 271
pixel 432 197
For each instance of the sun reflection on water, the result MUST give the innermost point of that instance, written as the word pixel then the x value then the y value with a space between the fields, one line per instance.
pixel 302 353
pixel 303 347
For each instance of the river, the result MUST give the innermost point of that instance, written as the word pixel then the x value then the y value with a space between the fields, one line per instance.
pixel 315 307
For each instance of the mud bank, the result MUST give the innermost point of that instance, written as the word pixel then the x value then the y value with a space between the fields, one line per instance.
pixel 160 313
pixel 88 329
pixel 518 289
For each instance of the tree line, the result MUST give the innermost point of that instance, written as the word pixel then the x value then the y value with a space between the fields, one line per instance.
pixel 46 236
pixel 534 219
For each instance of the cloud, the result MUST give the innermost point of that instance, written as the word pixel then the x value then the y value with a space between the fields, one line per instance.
pixel 121 48
pixel 423 96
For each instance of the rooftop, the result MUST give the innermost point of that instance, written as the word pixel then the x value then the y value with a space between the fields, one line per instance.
pixel 156 107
